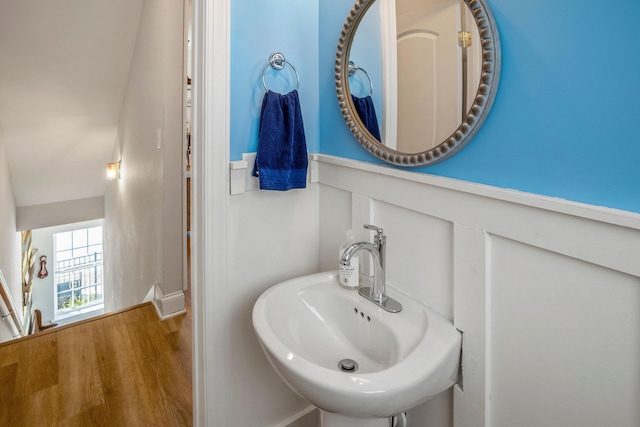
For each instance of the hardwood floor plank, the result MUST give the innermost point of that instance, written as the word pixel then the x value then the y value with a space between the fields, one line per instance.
pixel 126 398
pixel 7 392
pixel 124 369
pixel 97 416
pixel 36 409
pixel 162 372
pixel 10 355
pixel 81 388
pixel 39 369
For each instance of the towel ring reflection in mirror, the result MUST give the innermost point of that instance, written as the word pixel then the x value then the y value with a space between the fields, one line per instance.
pixel 353 68
pixel 277 61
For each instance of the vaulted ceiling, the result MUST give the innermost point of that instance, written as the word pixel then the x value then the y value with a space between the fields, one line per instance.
pixel 64 67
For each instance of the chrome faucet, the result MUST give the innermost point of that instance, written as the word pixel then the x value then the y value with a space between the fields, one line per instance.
pixel 378 293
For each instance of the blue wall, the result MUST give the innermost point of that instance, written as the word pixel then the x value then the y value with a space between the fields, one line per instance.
pixel 259 28
pixel 563 123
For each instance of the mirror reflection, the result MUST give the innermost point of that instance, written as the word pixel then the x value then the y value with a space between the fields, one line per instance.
pixel 364 104
pixel 432 74
pixel 430 79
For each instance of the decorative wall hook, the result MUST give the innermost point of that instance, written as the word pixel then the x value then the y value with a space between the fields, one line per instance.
pixel 43 267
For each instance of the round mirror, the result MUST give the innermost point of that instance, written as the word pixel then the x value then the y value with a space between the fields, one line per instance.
pixel 416 78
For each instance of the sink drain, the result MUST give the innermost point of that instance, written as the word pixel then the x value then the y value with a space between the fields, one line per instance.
pixel 348 365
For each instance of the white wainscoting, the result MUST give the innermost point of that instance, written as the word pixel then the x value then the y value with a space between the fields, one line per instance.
pixel 273 236
pixel 546 291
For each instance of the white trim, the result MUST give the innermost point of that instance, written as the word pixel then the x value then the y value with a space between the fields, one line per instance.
pixel 78 312
pixel 470 307
pixel 170 305
pixel 186 99
pixel 583 210
pixel 571 228
pixel 210 204
pixel 295 417
pixel 241 179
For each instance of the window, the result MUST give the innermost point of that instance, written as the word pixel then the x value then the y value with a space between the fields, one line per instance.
pixel 78 271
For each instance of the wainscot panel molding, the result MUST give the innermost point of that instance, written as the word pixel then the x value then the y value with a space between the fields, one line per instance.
pixel 546 291
pixel 570 228
pixel 273 236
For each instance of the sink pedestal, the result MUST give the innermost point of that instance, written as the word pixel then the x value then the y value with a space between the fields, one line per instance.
pixel 328 419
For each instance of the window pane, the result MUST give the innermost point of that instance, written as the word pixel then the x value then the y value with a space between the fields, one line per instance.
pixel 95 236
pixel 63 241
pixel 93 249
pixel 64 255
pixel 64 286
pixel 65 300
pixel 78 274
pixel 79 238
pixel 80 252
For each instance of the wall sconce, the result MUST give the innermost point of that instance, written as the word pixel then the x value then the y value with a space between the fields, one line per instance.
pixel 113 170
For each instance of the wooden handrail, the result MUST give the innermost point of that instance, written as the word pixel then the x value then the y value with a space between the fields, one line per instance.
pixel 8 302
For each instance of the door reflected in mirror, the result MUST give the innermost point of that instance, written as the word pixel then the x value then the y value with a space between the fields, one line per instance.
pixel 424 61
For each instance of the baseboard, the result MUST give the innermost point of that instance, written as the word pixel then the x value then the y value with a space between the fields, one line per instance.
pixel 168 305
pixel 299 419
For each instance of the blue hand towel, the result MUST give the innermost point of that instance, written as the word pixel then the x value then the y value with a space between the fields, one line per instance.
pixel 367 112
pixel 281 161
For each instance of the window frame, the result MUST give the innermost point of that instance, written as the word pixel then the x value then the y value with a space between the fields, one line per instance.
pixel 78 270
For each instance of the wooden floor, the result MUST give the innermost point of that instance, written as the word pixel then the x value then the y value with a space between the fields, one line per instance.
pixel 122 369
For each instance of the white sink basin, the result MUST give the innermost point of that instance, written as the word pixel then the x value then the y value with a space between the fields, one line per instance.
pixel 307 325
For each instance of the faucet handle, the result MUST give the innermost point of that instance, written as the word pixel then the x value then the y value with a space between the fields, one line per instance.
pixel 380 237
pixel 374 228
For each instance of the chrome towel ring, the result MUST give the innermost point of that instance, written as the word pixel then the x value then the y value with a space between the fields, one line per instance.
pixel 277 62
pixel 352 71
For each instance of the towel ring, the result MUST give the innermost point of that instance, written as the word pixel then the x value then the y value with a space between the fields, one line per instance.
pixel 277 62
pixel 352 71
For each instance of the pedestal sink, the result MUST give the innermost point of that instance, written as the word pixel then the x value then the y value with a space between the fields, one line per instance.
pixel 347 356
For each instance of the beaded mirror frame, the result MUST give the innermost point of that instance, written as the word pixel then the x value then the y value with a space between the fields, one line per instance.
pixel 471 123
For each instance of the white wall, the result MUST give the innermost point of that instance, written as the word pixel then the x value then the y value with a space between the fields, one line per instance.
pixel 52 214
pixel 273 236
pixel 9 241
pixel 547 292
pixel 143 211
